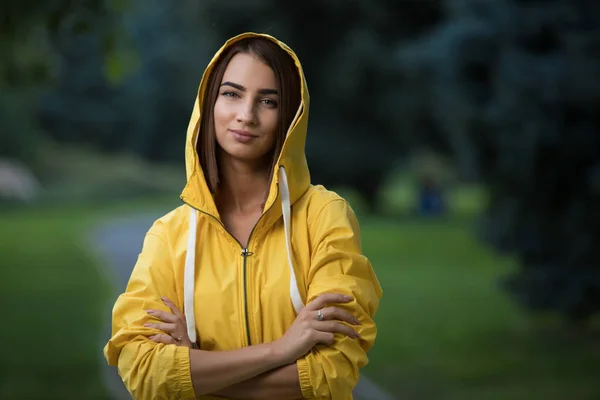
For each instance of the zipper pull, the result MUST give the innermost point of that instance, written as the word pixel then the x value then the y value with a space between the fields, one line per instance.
pixel 246 252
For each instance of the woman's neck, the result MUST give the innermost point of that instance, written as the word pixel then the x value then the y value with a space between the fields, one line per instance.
pixel 243 187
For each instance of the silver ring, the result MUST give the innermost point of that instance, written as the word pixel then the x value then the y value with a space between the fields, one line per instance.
pixel 319 315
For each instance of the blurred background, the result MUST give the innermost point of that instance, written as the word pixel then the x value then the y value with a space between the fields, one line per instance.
pixel 465 133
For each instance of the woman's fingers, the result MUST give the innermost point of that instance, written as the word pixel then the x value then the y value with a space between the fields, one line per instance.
pixel 324 338
pixel 328 298
pixel 163 316
pixel 174 309
pixel 165 327
pixel 172 325
pixel 335 327
pixel 162 338
pixel 331 313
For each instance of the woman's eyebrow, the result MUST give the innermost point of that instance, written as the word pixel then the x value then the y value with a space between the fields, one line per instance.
pixel 243 89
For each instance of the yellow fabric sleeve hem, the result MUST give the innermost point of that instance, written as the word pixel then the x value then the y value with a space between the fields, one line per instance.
pixel 304 377
pixel 184 374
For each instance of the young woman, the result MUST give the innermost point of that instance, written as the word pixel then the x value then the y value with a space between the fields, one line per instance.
pixel 256 287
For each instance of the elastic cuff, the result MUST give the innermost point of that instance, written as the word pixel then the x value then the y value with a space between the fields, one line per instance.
pixel 304 377
pixel 184 373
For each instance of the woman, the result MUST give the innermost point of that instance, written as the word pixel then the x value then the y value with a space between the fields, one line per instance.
pixel 278 302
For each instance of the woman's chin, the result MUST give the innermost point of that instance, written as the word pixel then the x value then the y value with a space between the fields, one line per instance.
pixel 244 153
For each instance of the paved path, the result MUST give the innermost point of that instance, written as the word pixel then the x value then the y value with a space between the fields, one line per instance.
pixel 119 242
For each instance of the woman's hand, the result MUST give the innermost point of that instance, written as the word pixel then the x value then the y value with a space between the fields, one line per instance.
pixel 174 326
pixel 316 324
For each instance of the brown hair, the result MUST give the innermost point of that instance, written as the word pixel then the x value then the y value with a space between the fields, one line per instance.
pixel 288 82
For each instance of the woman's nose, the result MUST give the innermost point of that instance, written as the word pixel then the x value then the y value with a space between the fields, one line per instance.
pixel 247 113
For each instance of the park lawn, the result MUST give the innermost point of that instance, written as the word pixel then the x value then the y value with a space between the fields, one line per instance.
pixel 52 293
pixel 447 332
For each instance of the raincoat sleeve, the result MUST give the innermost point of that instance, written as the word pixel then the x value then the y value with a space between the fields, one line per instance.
pixel 148 369
pixel 338 265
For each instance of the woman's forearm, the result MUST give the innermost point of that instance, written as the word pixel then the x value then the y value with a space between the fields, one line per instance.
pixel 213 371
pixel 280 383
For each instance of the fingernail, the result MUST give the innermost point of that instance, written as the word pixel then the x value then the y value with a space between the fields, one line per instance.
pixel 148 325
pixel 357 335
pixel 152 337
pixel 150 312
pixel 356 321
pixel 348 298
pixel 164 299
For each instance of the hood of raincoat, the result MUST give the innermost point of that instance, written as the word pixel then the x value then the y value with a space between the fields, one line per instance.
pixel 292 157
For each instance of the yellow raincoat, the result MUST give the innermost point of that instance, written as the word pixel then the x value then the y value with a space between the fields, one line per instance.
pixel 306 243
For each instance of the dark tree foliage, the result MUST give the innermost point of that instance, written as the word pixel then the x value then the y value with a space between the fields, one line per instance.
pixel 516 86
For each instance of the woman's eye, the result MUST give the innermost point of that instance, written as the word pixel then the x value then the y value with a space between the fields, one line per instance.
pixel 269 103
pixel 229 94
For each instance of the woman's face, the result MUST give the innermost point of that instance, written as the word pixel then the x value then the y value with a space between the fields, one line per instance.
pixel 246 111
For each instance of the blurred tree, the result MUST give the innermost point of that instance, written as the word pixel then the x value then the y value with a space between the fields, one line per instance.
pixel 31 62
pixel 544 168
pixel 145 112
pixel 514 86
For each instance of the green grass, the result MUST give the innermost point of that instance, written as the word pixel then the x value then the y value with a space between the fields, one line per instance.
pixel 447 332
pixel 51 293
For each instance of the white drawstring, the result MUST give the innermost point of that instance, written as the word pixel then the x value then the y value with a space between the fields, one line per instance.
pixel 190 264
pixel 286 208
pixel 188 283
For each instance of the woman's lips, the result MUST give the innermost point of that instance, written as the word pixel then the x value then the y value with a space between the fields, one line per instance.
pixel 242 136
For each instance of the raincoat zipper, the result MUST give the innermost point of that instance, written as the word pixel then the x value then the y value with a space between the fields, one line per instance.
pixel 245 254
